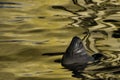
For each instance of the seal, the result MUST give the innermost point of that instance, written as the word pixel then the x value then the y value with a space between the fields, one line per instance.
pixel 76 57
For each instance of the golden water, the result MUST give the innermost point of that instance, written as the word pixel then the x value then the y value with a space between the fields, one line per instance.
pixel 35 33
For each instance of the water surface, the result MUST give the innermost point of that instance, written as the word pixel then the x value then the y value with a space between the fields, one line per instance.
pixel 34 35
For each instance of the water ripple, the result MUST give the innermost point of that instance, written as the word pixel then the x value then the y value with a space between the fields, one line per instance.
pixel 10 5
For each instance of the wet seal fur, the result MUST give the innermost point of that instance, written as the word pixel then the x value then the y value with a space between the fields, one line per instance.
pixel 76 57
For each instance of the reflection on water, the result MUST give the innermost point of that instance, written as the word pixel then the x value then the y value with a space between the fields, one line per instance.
pixel 35 34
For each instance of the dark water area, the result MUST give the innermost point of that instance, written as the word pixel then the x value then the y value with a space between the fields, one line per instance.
pixel 34 35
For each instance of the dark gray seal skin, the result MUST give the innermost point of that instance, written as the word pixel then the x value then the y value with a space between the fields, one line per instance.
pixel 76 57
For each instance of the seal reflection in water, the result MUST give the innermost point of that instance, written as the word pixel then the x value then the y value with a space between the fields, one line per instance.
pixel 76 57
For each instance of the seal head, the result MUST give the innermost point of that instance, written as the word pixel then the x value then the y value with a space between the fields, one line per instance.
pixel 76 56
